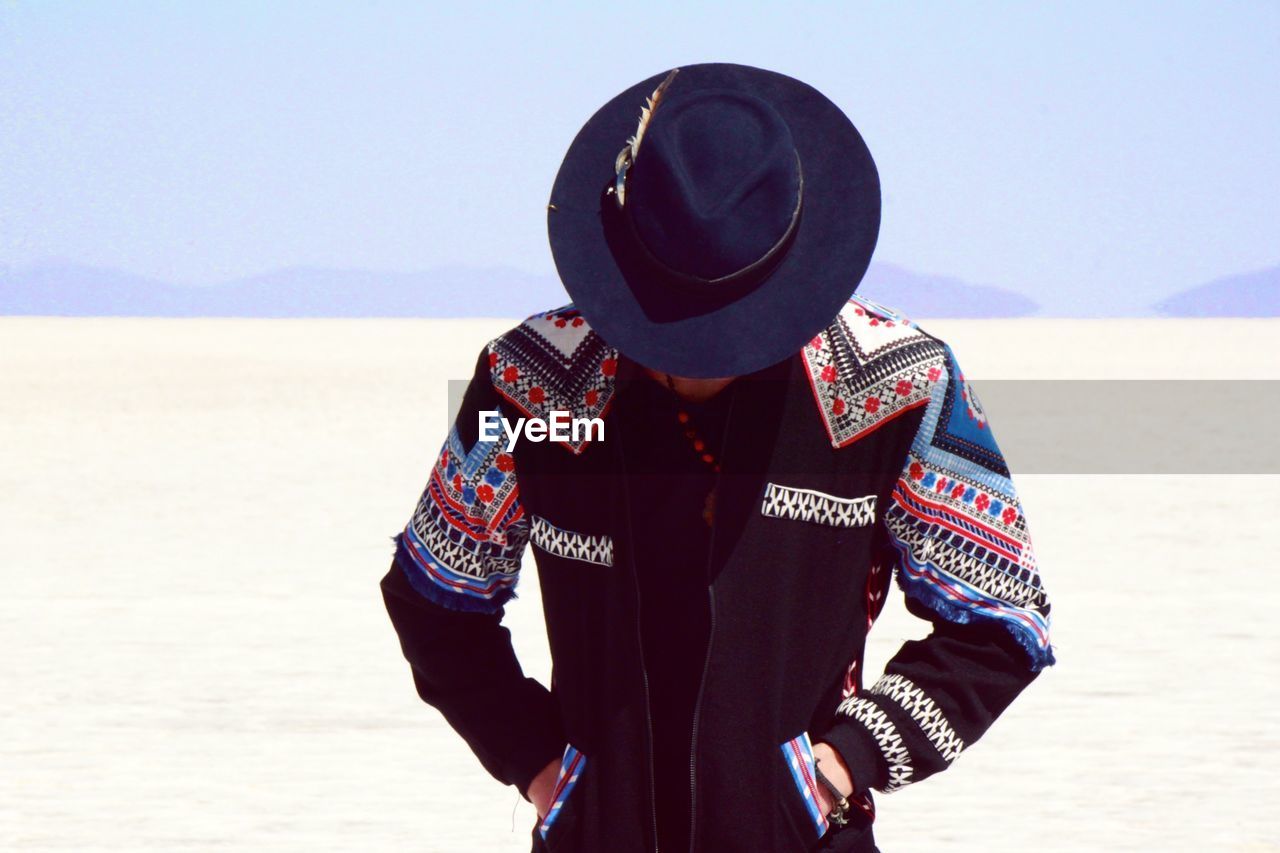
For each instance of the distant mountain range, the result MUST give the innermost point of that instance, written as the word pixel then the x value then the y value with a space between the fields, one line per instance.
pixel 71 290
pixel 1255 294
pixel 922 295
pixel 455 291
pixel 452 291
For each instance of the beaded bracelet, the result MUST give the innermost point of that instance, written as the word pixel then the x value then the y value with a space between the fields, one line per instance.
pixel 840 811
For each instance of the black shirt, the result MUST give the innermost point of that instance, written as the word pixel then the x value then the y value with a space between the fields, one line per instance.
pixel 669 481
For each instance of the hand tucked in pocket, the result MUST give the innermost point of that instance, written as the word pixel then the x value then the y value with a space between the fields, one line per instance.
pixel 833 767
pixel 543 787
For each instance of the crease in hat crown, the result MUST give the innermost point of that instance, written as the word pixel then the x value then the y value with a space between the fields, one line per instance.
pixel 722 192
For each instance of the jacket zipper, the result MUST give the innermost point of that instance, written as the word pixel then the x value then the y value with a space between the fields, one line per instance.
pixel 644 673
pixel 711 633
pixel 693 741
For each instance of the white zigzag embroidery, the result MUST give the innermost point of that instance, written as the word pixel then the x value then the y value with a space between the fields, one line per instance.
pixel 571 545
pixel 887 738
pixel 972 570
pixel 811 505
pixel 924 711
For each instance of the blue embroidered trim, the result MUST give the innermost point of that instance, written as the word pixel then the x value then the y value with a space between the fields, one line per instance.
pixel 571 766
pixel 448 588
pixel 798 753
pixel 923 583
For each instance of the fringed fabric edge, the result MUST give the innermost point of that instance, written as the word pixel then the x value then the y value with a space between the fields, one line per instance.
pixel 433 592
pixel 928 595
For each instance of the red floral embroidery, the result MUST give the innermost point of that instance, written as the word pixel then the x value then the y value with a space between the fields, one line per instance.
pixel 829 373
pixel 577 321
pixel 591 396
pixel 484 492
pixel 1010 515
pixel 561 323
pixel 916 470
pixel 982 501
pixel 536 394
pixel 934 373
pixel 505 462
pixel 941 485
pixel 457 482
pixel 609 366
pixel 816 343
pixel 875 322
pixel 903 387
pixel 510 373
pixel 958 490
pixel 871 404
pixel 493 359
pixel 859 312
pixel 837 406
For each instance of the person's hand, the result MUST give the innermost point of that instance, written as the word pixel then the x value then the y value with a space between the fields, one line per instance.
pixel 834 768
pixel 543 786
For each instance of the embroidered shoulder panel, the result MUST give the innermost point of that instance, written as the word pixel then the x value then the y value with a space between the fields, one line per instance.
pixel 554 362
pixel 464 541
pixel 868 366
pixel 957 522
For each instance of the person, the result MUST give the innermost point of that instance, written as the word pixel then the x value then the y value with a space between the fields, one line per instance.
pixel 762 450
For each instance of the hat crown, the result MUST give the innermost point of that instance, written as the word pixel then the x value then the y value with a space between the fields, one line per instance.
pixel 716 182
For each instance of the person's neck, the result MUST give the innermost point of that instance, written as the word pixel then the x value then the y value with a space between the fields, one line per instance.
pixel 689 388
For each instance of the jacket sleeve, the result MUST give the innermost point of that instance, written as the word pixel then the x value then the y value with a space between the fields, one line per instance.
pixel 456 564
pixel 955 535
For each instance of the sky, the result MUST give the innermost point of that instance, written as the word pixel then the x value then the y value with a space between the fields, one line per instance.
pixel 1093 156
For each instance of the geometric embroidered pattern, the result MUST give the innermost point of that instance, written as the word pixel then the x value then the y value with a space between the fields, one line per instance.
pixel 571 765
pixel 811 505
pixel 877 722
pixel 985 570
pixel 868 366
pixel 468 531
pixel 798 753
pixel 957 525
pixel 924 711
pixel 554 362
pixel 571 545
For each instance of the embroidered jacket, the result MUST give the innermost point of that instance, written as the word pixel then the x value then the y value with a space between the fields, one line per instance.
pixel 864 456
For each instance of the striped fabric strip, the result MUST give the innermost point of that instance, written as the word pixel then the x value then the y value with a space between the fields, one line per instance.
pixel 1030 627
pixel 914 502
pixel 571 764
pixel 798 753
pixel 424 557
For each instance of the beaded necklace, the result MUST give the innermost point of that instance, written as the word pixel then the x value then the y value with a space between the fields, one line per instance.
pixel 699 446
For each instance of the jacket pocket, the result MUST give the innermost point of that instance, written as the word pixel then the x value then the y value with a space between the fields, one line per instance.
pixel 560 814
pixel 819 507
pixel 801 796
pixel 569 544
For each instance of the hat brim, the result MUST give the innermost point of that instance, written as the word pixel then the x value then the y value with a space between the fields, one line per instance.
pixel 830 252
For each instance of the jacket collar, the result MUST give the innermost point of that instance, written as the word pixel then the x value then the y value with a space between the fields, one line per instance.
pixel 869 365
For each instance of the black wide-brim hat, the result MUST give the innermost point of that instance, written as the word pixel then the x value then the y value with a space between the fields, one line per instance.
pixel 711 219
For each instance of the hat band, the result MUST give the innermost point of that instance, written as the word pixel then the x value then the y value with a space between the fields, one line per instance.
pixel 749 272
